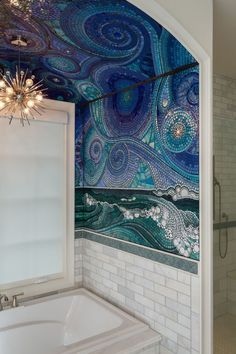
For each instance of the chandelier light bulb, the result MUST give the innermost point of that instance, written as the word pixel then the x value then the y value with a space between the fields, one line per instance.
pixel 2 83
pixel 29 82
pixel 39 97
pixel 9 90
pixel 20 97
pixel 30 103
pixel 2 104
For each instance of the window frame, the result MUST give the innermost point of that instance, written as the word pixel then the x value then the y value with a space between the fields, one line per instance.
pixel 62 113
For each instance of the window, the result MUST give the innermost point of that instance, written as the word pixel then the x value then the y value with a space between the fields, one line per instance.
pixel 36 201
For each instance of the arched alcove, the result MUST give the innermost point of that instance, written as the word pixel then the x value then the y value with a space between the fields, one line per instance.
pixel 137 151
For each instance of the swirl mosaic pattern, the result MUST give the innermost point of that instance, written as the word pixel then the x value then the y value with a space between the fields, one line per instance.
pixel 143 141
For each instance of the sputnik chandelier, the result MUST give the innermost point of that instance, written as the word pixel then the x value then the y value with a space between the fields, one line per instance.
pixel 20 96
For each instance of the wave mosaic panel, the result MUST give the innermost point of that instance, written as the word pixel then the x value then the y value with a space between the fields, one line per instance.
pixel 143 142
pixel 141 217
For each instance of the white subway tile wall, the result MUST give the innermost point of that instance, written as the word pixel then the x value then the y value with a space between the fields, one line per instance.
pixel 165 298
pixel 78 261
pixel 224 140
pixel 225 172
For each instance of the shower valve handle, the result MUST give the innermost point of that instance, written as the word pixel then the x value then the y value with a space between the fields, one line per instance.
pixel 15 300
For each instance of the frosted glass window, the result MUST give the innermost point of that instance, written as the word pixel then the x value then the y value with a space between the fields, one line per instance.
pixel 32 200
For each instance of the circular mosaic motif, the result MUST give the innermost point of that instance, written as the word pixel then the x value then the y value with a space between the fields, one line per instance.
pixel 62 64
pixel 104 32
pixel 95 150
pixel 50 79
pixel 125 113
pixel 118 159
pixel 88 90
pixel 187 90
pixel 178 131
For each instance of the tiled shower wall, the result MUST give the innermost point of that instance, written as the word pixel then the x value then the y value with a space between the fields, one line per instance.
pixel 164 297
pixel 225 172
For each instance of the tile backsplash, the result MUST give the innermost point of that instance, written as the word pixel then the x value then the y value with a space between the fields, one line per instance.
pixel 164 297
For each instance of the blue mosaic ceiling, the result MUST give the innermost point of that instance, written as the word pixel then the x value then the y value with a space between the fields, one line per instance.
pixel 70 42
pixel 145 141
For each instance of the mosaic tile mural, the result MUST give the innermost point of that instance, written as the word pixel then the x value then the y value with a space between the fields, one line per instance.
pixel 137 154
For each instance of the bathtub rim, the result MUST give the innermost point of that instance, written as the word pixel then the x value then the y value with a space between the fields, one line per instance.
pixel 129 328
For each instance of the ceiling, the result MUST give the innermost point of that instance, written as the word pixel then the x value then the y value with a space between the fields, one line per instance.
pixel 84 48
pixel 225 37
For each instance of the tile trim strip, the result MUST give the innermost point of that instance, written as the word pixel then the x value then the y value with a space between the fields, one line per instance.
pixel 169 260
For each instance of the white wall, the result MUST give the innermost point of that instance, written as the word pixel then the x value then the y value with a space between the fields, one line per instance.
pixel 224 36
pixel 195 16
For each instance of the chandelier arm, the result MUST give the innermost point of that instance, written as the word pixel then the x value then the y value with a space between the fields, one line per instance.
pixel 37 89
pixel 6 80
pixel 2 109
pixel 41 108
pixel 17 78
pixel 11 80
pixel 36 86
pixel 33 108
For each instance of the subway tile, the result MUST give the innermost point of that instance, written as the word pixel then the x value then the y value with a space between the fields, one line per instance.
pixel 195 330
pixel 165 291
pixel 135 270
pixel 178 328
pixel 144 301
pixel 154 277
pixel 174 305
pixel 136 288
pixel 184 299
pixel 165 311
pixel 157 298
pixel 166 332
pixel 148 284
pixel 178 286
pixel 166 271
pixel 195 294
pixel 184 342
pixel 184 321
pixel 124 290
pixel 184 277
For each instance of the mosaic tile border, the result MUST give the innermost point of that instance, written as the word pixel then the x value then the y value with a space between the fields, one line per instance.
pixel 156 256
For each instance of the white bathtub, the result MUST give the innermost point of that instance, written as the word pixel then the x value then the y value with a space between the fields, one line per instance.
pixel 75 322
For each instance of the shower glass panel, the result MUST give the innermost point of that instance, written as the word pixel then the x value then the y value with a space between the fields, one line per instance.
pixel 224 187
